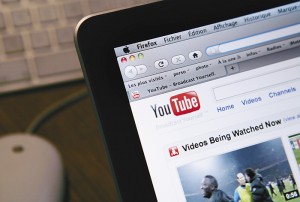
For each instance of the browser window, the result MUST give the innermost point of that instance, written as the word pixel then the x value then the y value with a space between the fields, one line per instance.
pixel 220 103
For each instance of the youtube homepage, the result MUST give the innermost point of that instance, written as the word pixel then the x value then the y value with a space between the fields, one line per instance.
pixel 219 128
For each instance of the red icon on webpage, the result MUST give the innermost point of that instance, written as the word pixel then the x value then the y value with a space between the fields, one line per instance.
pixel 173 151
pixel 185 103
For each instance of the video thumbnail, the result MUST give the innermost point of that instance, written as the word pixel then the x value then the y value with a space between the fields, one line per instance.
pixel 257 173
pixel 295 143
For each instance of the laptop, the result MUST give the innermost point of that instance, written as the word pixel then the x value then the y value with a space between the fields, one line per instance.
pixel 197 100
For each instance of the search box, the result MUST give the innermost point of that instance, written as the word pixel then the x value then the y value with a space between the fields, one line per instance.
pixel 257 83
pixel 253 40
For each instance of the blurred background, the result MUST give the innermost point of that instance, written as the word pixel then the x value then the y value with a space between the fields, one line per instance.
pixel 39 69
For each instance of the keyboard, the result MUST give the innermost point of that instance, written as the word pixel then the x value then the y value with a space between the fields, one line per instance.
pixel 36 41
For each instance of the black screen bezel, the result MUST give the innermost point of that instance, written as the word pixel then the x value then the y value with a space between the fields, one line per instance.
pixel 96 37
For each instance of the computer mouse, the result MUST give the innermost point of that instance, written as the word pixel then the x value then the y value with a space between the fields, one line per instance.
pixel 31 170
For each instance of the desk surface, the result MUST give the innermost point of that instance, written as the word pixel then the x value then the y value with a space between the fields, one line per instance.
pixel 73 130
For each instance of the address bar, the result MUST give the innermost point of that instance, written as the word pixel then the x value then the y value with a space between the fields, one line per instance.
pixel 253 40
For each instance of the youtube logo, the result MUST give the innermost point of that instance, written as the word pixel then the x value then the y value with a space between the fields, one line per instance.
pixel 185 103
pixel 180 104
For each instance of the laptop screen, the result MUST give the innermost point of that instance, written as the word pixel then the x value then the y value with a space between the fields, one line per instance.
pixel 217 107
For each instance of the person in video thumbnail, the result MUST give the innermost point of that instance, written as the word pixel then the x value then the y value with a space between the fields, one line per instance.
pixel 210 190
pixel 271 188
pixel 259 175
pixel 292 180
pixel 283 185
pixel 242 193
pixel 259 191
pixel 280 186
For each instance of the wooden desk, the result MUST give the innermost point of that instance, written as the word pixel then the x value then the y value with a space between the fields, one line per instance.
pixel 72 130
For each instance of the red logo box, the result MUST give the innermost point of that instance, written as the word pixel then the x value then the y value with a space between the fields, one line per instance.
pixel 173 151
pixel 185 103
